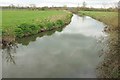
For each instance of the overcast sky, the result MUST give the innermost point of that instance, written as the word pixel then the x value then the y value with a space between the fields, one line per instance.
pixel 69 3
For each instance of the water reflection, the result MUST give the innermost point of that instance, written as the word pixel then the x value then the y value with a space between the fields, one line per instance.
pixel 70 53
pixel 83 18
pixel 27 40
pixel 9 50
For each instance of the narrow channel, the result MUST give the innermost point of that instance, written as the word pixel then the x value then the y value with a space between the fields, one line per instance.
pixel 70 53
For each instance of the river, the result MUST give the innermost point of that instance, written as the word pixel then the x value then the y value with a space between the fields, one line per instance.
pixel 72 52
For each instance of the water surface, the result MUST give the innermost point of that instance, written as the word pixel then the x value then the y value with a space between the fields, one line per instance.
pixel 72 52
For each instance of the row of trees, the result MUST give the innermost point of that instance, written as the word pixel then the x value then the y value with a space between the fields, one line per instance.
pixel 84 4
pixel 104 5
pixel 83 7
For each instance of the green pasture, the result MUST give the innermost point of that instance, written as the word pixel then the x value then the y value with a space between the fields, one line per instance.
pixel 11 18
pixel 109 18
pixel 32 20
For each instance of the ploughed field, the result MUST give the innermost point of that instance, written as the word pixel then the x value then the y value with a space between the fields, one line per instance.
pixel 21 23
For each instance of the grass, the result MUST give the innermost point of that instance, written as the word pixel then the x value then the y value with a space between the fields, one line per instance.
pixel 16 17
pixel 12 19
pixel 109 18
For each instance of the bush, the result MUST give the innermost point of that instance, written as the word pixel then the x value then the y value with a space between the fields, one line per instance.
pixel 25 28
pixel 50 25
pixel 59 23
pixel 40 26
pixel 30 29
pixel 34 29
pixel 3 32
pixel 19 32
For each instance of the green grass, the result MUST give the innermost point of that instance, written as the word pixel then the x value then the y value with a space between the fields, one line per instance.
pixel 12 19
pixel 109 18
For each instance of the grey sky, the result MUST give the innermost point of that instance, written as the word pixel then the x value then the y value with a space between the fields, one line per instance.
pixel 74 3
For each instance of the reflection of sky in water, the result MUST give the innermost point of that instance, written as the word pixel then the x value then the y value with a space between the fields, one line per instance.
pixel 86 26
pixel 70 53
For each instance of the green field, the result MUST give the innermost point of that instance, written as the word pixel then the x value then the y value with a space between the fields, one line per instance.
pixel 16 17
pixel 109 18
pixel 11 19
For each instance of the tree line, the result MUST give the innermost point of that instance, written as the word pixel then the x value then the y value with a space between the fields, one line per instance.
pixel 73 9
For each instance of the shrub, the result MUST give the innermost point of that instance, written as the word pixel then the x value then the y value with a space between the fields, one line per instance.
pixel 19 32
pixel 3 32
pixel 40 26
pixel 29 29
pixel 50 25
pixel 25 28
pixel 34 29
pixel 59 23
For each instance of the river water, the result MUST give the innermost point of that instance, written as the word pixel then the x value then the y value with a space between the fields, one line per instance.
pixel 72 52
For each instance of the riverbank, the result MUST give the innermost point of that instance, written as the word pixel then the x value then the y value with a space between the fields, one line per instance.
pixel 109 18
pixel 109 67
pixel 23 23
pixel 63 54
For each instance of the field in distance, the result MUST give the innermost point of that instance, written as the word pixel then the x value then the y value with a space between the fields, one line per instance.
pixel 11 18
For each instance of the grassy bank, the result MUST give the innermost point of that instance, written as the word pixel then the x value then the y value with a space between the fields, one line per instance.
pixel 21 23
pixel 109 18
pixel 109 67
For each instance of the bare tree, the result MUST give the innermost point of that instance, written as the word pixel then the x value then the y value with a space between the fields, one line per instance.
pixel 11 5
pixel 32 6
pixel 119 5
pixel 65 6
pixel 104 5
pixel 116 5
pixel 84 4
pixel 52 6
pixel 78 5
pixel 18 5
